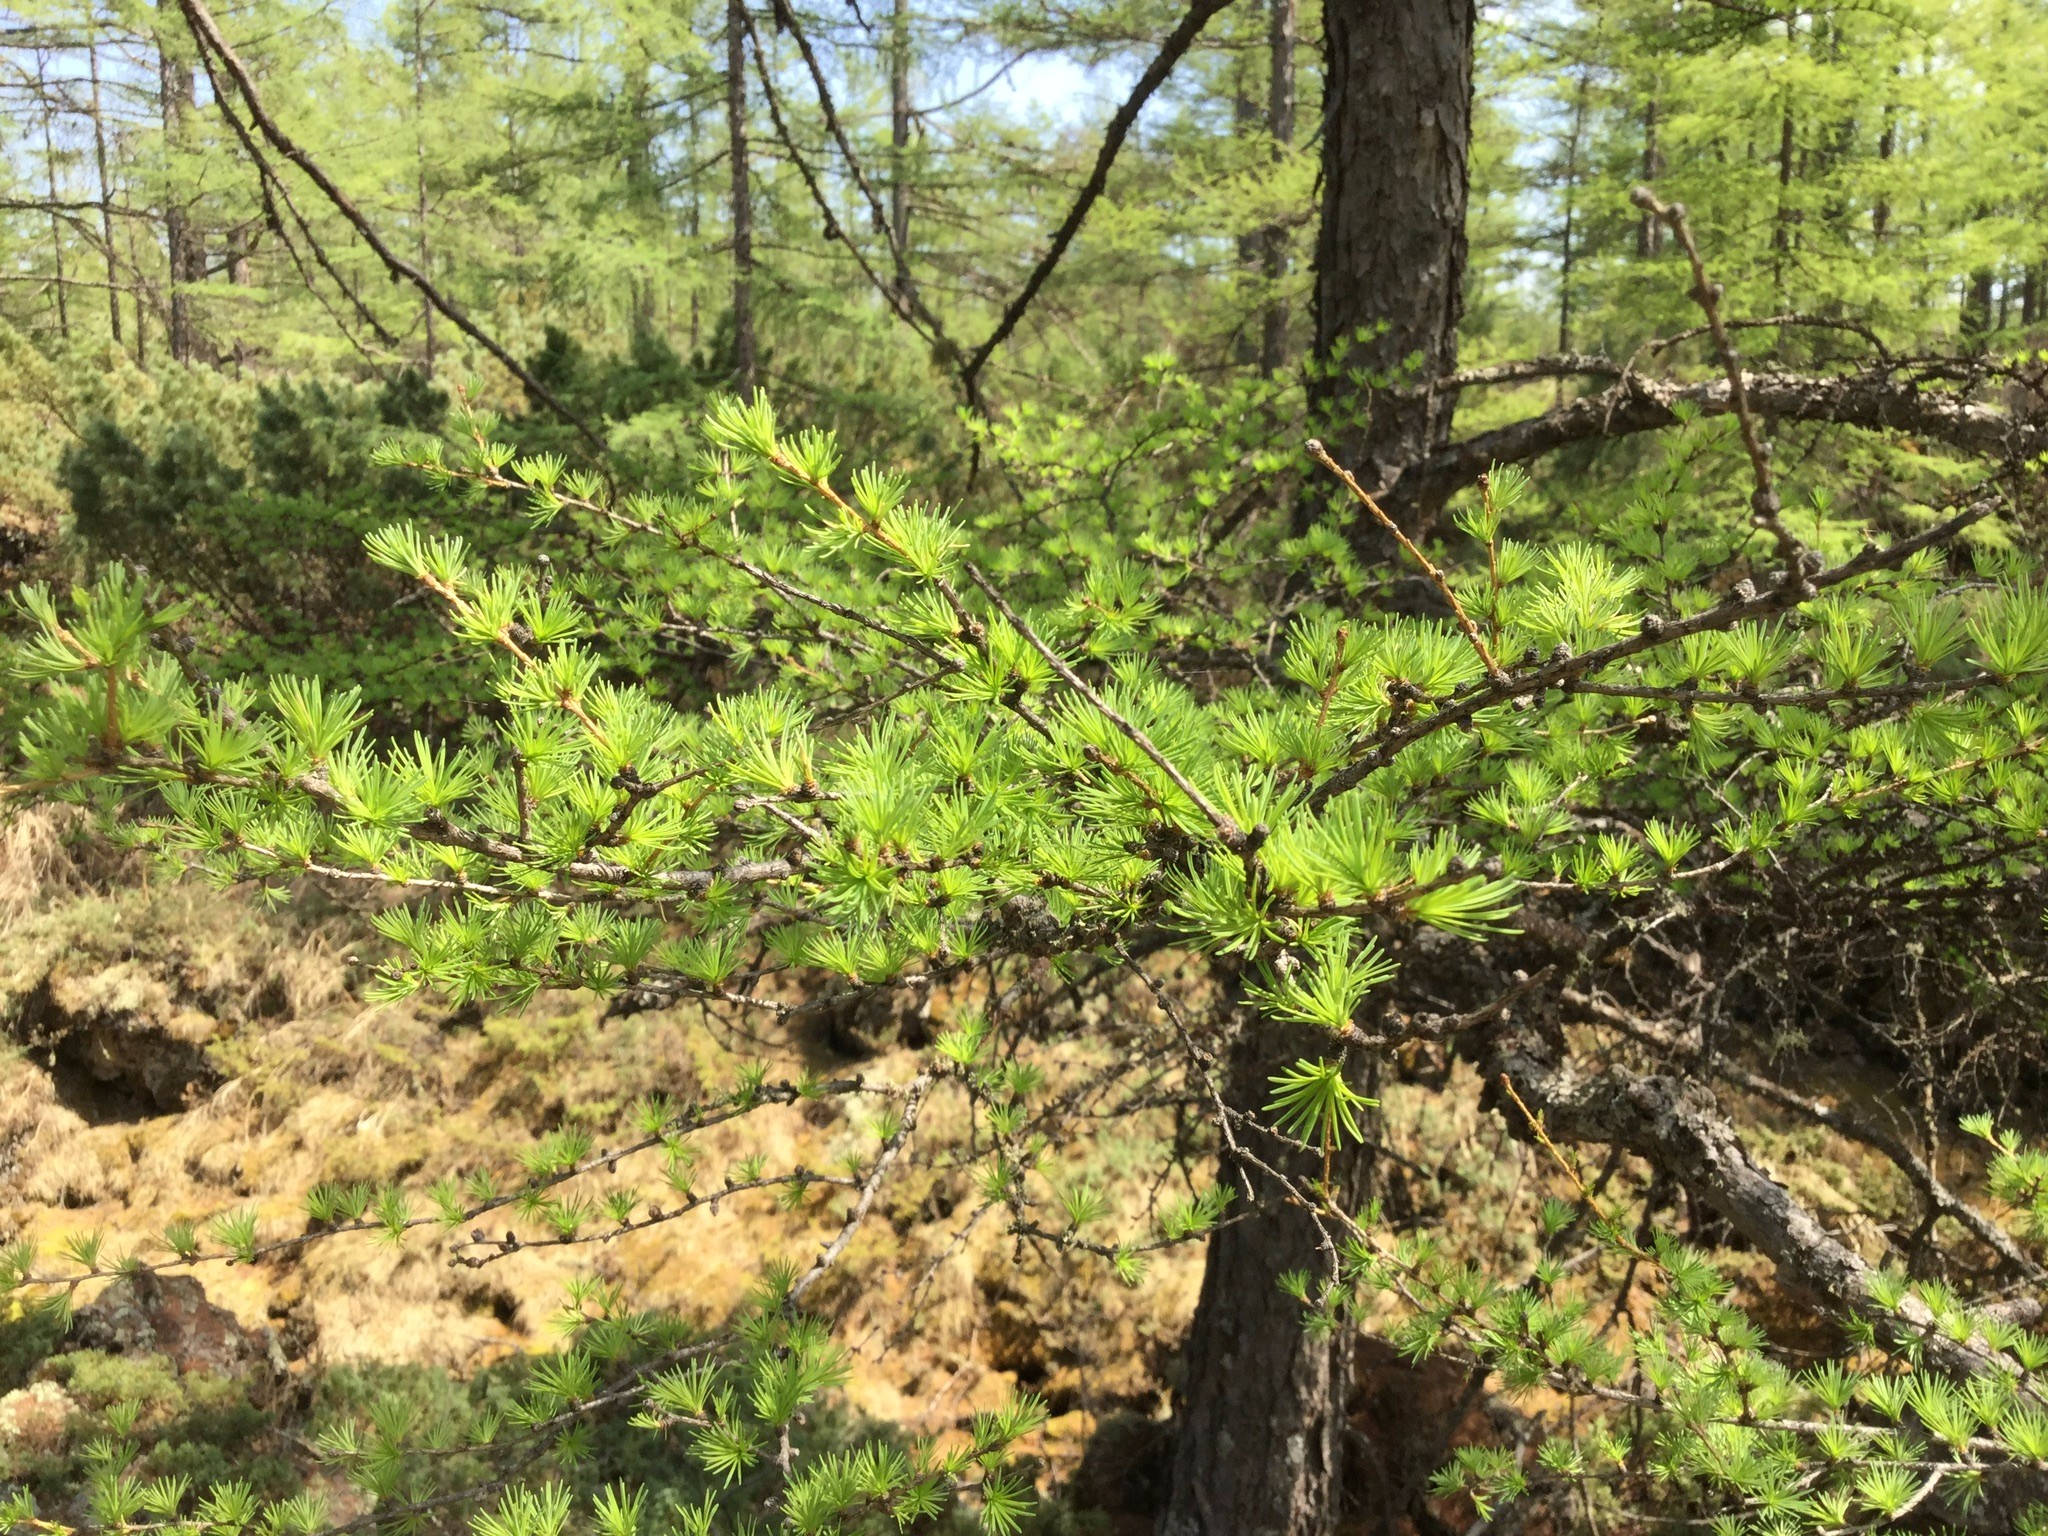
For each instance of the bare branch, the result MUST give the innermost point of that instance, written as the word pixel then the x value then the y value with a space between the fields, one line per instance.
pixel 1674 1122
pixel 1763 501
pixel 1170 52
pixel 1876 399
pixel 1937 1194
pixel 1442 583
pixel 208 36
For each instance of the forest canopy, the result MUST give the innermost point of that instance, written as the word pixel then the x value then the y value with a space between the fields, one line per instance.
pixel 1145 621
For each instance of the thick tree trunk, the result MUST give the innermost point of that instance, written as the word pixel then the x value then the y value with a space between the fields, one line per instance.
pixel 1281 26
pixel 1259 1417
pixel 744 365
pixel 1390 256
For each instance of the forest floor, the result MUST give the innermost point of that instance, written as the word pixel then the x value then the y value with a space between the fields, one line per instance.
pixel 172 1054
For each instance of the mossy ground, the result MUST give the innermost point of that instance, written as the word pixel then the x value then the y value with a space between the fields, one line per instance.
pixel 299 1081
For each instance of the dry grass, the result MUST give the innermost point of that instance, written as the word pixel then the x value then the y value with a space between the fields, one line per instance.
pixel 944 1314
pixel 37 866
pixel 309 1085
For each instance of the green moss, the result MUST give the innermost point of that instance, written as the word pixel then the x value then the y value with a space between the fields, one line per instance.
pixel 195 1424
pixel 28 1332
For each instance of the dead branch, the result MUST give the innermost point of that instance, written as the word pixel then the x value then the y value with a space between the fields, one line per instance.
pixel 1877 399
pixel 1939 1196
pixel 1170 52
pixel 1675 1124
pixel 207 34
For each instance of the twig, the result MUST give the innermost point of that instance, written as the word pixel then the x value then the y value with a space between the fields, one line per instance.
pixel 1763 501
pixel 913 1100
pixel 207 34
pixel 1442 583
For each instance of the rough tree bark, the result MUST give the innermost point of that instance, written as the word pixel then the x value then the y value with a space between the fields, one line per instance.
pixel 1390 255
pixel 1259 1417
pixel 744 364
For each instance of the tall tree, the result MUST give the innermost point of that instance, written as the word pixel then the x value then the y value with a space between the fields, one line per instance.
pixel 105 186
pixel 1390 251
pixel 185 246
pixel 744 364
pixel 1260 1420
pixel 899 141
pixel 1282 20
pixel 50 176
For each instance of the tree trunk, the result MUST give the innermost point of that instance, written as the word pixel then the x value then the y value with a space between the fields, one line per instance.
pixel 184 245
pixel 99 150
pixel 419 150
pixel 744 365
pixel 1390 255
pixel 1650 231
pixel 56 219
pixel 1571 208
pixel 1259 1417
pixel 899 143
pixel 1281 25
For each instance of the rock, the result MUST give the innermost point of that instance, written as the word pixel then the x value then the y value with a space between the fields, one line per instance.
pixel 32 1420
pixel 152 1314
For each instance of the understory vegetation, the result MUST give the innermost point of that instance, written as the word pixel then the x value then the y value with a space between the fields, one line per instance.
pixel 764 775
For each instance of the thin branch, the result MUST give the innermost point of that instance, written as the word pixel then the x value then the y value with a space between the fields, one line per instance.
pixel 901 294
pixel 1232 835
pixel 1442 583
pixel 1763 501
pixel 268 181
pixel 208 35
pixel 1779 322
pixel 919 319
pixel 1170 52
pixel 913 1101
pixel 1744 603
